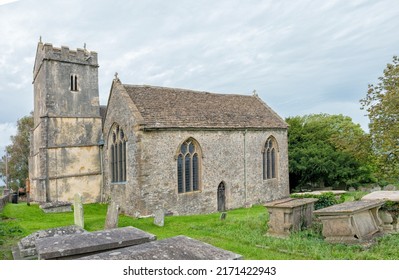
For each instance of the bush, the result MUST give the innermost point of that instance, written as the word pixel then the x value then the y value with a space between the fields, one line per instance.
pixel 324 199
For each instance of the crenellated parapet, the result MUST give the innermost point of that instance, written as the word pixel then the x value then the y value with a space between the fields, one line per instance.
pixel 47 51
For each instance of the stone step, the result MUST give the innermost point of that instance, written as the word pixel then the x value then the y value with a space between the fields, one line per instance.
pixel 175 248
pixel 74 246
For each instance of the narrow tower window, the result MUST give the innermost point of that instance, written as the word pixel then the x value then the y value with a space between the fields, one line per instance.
pixel 74 82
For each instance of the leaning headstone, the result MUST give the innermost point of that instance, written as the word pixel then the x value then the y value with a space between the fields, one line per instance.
pixel 111 220
pixel 78 210
pixel 159 217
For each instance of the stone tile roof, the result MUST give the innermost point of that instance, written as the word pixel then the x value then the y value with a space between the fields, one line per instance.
pixel 163 107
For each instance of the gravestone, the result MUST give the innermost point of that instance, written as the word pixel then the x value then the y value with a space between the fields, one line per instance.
pixel 175 248
pixel 289 214
pixel 351 222
pixel 112 218
pixel 159 217
pixel 393 196
pixel 75 246
pixel 78 210
pixel 26 248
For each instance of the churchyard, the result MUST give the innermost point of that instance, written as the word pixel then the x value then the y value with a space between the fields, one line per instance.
pixel 242 231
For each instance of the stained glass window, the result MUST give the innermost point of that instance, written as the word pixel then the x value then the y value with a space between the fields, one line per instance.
pixel 118 155
pixel 270 155
pixel 188 167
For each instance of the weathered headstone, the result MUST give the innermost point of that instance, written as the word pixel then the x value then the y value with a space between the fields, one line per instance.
pixel 78 210
pixel 112 218
pixel 159 217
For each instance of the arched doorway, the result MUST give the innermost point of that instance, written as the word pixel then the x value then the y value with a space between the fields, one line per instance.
pixel 221 197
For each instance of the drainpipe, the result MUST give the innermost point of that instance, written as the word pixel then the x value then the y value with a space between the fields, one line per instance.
pixel 47 187
pixel 245 164
pixel 101 149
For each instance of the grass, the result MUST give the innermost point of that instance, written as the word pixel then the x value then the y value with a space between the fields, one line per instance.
pixel 242 232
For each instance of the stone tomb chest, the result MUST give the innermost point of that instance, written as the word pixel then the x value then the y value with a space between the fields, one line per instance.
pixel 289 214
pixel 389 217
pixel 350 222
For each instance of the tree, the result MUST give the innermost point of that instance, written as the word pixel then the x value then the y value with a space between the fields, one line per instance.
pixel 18 152
pixel 328 150
pixel 382 106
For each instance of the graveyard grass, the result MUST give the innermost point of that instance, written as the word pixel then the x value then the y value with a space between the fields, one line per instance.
pixel 243 232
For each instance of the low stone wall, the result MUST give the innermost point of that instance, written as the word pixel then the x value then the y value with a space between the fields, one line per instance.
pixel 3 200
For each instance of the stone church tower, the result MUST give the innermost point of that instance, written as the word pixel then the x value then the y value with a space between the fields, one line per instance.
pixel 65 146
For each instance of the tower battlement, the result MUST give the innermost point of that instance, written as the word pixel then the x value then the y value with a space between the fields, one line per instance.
pixel 47 51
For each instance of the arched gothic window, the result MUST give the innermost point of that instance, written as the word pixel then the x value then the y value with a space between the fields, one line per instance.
pixel 118 154
pixel 188 167
pixel 270 159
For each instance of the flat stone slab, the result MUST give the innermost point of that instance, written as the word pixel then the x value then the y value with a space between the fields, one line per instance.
pixel 27 246
pixel 73 246
pixel 175 248
pixel 56 207
pixel 350 207
pixel 384 195
pixel 290 202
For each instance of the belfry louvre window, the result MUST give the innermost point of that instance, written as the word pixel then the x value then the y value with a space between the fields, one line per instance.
pixel 188 167
pixel 270 159
pixel 118 155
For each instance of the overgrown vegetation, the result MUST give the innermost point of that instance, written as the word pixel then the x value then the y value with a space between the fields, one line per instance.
pixel 328 150
pixel 382 106
pixel 243 232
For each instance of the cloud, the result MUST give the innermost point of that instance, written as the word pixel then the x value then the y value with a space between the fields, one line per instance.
pixel 3 2
pixel 7 129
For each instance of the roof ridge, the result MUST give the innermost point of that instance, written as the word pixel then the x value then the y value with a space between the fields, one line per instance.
pixel 185 90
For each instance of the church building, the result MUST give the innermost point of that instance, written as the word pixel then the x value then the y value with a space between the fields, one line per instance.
pixel 150 147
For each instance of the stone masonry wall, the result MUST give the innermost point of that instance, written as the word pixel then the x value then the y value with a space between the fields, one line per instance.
pixel 223 155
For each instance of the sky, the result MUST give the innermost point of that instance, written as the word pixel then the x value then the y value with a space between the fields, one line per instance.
pixel 302 57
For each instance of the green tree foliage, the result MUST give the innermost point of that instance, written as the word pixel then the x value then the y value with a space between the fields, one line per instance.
pixel 382 106
pixel 328 150
pixel 18 154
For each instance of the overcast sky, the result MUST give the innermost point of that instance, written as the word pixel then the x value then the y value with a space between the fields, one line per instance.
pixel 300 56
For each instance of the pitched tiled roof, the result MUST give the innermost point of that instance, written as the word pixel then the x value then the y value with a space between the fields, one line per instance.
pixel 163 107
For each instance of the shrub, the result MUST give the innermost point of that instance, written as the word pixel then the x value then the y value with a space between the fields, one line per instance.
pixel 324 199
